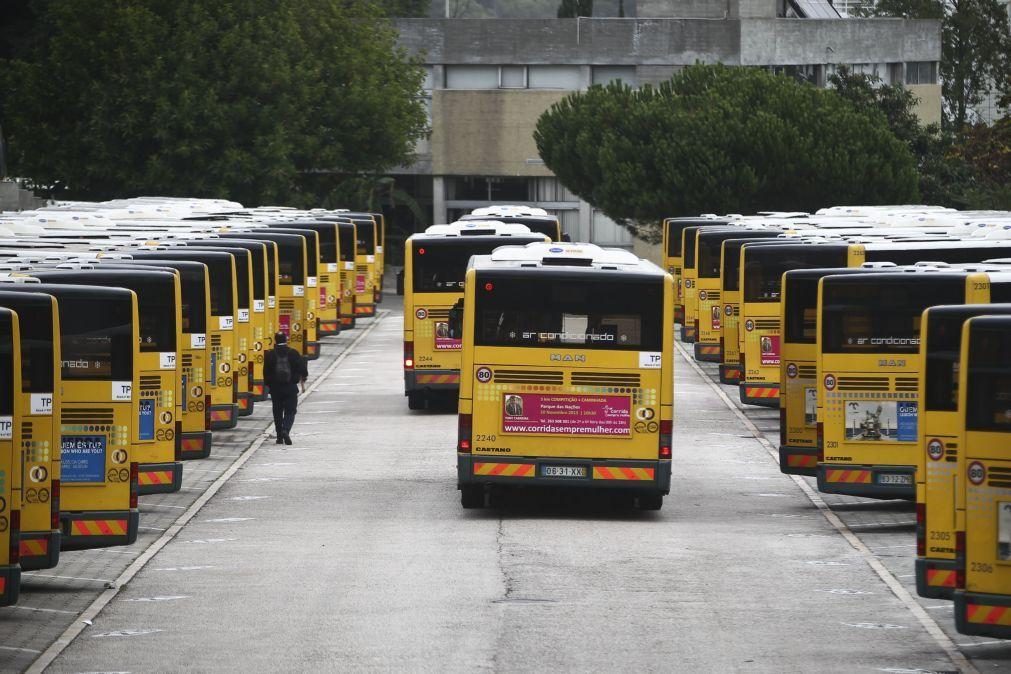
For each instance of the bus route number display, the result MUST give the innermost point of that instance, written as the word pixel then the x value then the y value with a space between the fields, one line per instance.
pixel 82 458
pixel 560 414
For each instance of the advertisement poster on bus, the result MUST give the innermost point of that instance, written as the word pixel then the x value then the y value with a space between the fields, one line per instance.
pixel 443 342
pixel 82 458
pixel 717 315
pixel 284 324
pixel 145 423
pixel 360 283
pixel 1004 531
pixel 769 345
pixel 560 414
pixel 810 407
pixel 881 420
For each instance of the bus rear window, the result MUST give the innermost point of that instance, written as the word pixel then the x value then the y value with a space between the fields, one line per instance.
pixel 291 268
pixel 689 233
pixel 348 247
pixel 801 311
pixel 765 265
pixel 584 313
pixel 988 405
pixel 242 278
pixel 96 339
pixel 194 304
pixel 673 239
pixel 6 366
pixel 36 348
pixel 709 256
pixel 221 287
pixel 327 243
pixel 156 311
pixel 366 238
pixel 874 317
pixel 258 258
pixel 940 378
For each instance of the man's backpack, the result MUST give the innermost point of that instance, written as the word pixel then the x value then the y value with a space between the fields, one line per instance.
pixel 282 366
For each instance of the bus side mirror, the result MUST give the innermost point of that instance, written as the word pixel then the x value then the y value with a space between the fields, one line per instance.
pixel 456 320
pixel 566 238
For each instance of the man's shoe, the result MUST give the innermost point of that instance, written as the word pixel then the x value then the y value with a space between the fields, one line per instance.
pixel 287 439
pixel 280 439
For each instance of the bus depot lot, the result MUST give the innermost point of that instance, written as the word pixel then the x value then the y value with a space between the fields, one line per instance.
pixel 53 599
pixel 350 551
pixel 887 528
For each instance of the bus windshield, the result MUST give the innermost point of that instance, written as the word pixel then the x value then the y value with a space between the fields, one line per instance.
pixel 765 266
pixel 96 336
pixel 988 404
pixel 880 317
pixel 588 313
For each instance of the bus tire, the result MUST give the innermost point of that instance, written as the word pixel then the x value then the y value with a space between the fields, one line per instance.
pixel 472 496
pixel 649 501
pixel 417 400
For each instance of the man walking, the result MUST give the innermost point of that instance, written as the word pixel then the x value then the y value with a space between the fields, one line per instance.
pixel 284 369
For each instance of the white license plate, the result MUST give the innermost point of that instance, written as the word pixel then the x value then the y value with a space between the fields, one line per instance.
pixel 563 471
pixel 890 478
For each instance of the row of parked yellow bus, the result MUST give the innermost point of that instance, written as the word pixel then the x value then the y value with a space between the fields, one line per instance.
pixel 883 335
pixel 132 331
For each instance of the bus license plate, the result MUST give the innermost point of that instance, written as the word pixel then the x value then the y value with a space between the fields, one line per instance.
pixel 563 471
pixel 893 478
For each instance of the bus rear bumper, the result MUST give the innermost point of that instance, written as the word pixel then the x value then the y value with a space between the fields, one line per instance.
pixel 688 333
pixel 985 615
pixel 245 403
pixel 98 529
pixel 798 460
pixel 311 350
pixel 708 352
pixel 159 478
pixel 867 481
pixel 935 578
pixel 258 391
pixel 679 314
pixel 329 327
pixel 759 394
pixel 652 476
pixel 431 380
pixel 365 310
pixel 39 550
pixel 224 416
pixel 195 445
pixel 10 584
pixel 730 373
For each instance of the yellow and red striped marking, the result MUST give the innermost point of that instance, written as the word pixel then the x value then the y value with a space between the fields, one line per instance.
pixel 988 615
pixel 504 469
pixel 365 310
pixel 940 578
pixel 732 372
pixel 709 350
pixel 243 403
pixel 147 477
pixel 690 333
pixel 34 547
pixel 848 476
pixel 193 444
pixel 221 415
pixel 622 473
pixel 437 378
pixel 327 328
pixel 98 528
pixel 761 392
pixel 258 389
pixel 801 461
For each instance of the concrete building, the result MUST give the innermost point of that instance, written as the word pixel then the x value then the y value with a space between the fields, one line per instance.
pixel 490 79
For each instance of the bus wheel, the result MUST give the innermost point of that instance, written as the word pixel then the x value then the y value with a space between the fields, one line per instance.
pixel 649 501
pixel 472 496
pixel 416 400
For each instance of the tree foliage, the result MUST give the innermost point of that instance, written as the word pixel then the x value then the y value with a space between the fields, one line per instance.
pixel 718 139
pixel 243 99
pixel 975 49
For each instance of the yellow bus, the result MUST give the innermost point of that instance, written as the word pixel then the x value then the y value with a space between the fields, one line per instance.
pixel 798 400
pixel 222 352
pixel 261 323
pixel 869 369
pixel 347 233
pixel 329 282
pixel 99 342
pixel 310 293
pixel 159 307
pixel 10 458
pixel 568 362
pixel 38 475
pixel 672 242
pixel 435 264
pixel 983 594
pixel 689 278
pixel 730 279
pixel 365 267
pixel 378 266
pixel 941 439
pixel 548 225
pixel 289 282
pixel 194 428
pixel 709 315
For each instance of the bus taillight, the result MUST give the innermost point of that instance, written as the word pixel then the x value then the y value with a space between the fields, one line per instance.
pixel 666 432
pixel 179 440
pixel 207 412
pixel 54 505
pixel 14 545
pixel 134 478
pixel 408 355
pixel 921 529
pixel 463 430
pixel 960 560
pixel 782 423
pixel 820 441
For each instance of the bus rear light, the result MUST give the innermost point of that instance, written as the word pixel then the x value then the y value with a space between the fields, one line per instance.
pixel 463 431
pixel 54 505
pixel 179 440
pixel 666 432
pixel 408 355
pixel 960 560
pixel 14 544
pixel 820 441
pixel 921 529
pixel 207 412
pixel 782 423
pixel 235 387
pixel 696 322
pixel 134 479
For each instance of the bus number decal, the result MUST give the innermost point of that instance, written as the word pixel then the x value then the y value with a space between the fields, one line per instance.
pixel 122 391
pixel 41 403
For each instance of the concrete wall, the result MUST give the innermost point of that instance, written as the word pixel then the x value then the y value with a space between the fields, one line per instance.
pixel 802 41
pixel 488 132
pixel 928 109
pixel 648 251
pixel 13 198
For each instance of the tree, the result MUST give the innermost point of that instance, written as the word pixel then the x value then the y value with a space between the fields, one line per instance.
pixel 718 139
pixel 975 49
pixel 243 99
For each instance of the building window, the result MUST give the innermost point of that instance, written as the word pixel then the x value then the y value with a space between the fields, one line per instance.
pixel 512 77
pixel 471 77
pixel 606 74
pixel 554 77
pixel 921 72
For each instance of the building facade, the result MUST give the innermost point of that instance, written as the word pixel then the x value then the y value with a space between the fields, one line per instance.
pixel 490 79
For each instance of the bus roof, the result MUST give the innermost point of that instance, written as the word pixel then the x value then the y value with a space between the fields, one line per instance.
pixel 474 228
pixel 556 255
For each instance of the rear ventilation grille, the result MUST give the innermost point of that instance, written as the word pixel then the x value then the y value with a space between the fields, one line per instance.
pixel 187 360
pixel 438 313
pixel 767 324
pixel 288 305
pixel 863 383
pixel 216 341
pixel 362 268
pixel 713 295
pixel 605 379
pixel 529 377
pixel 737 310
pixel 87 415
pixel 150 383
pixel 807 371
pixel 906 384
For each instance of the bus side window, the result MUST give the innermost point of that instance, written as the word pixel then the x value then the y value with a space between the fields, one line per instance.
pixel 456 320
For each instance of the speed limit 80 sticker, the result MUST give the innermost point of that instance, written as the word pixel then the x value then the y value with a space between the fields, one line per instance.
pixel 976 472
pixel 484 375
